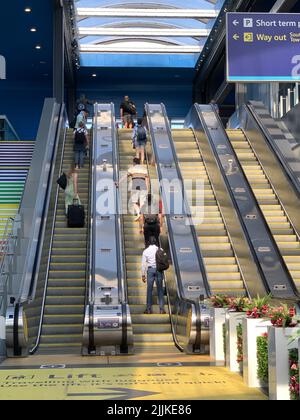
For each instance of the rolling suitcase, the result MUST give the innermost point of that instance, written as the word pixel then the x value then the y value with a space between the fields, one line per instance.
pixel 76 215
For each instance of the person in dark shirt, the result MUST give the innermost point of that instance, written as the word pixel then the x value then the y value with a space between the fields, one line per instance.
pixel 127 112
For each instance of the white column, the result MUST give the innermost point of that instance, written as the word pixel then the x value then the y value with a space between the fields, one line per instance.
pixel 216 342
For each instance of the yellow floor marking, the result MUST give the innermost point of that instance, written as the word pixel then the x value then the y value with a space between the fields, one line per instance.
pixel 125 383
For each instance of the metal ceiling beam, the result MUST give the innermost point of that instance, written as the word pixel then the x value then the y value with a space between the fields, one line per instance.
pixel 143 32
pixel 282 6
pixel 152 13
pixel 159 49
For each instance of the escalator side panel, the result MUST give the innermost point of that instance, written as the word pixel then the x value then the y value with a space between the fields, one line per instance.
pixel 270 262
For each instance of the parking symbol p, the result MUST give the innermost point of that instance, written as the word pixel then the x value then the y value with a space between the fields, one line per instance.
pixel 248 23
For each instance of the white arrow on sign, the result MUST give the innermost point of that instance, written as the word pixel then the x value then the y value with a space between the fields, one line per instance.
pixel 236 37
pixel 236 22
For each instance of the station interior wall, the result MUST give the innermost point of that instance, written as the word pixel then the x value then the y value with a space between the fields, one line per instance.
pixel 22 103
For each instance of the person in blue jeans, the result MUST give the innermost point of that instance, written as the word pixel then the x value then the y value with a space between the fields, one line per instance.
pixel 80 145
pixel 151 275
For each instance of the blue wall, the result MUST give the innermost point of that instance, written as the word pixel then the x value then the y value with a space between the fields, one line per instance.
pixel 173 87
pixel 22 103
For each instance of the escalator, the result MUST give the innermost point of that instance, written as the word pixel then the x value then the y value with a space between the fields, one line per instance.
pixel 222 267
pixel 152 332
pixel 256 248
pixel 282 229
pixel 64 305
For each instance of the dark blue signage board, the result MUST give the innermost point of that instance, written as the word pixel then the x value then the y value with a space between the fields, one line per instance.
pixel 263 47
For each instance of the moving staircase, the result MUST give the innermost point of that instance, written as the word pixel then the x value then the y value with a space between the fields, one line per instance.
pixel 64 308
pixel 219 258
pixel 15 160
pixel 152 333
pixel 278 221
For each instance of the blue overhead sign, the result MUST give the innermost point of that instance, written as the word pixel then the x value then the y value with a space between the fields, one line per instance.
pixel 263 47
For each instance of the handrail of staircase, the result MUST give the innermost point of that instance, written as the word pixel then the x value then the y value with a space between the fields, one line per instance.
pixel 4 117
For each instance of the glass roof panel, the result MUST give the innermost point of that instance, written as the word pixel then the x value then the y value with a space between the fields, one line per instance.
pixel 137 27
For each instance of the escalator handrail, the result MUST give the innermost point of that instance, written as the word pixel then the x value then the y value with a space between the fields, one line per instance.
pixel 177 272
pixel 207 133
pixel 193 230
pixel 180 348
pixel 123 296
pixel 89 219
pixel 122 274
pixel 273 146
pixel 192 226
pixel 62 115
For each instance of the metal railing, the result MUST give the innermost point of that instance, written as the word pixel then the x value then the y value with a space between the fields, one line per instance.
pixel 7 247
pixel 288 98
pixel 7 132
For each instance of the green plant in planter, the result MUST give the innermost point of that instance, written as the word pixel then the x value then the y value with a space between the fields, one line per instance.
pixel 238 304
pixel 258 307
pixel 262 358
pixel 294 374
pixel 220 301
pixel 283 316
pixel 240 354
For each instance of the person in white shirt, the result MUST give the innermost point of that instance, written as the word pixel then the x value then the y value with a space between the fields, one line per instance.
pixel 151 275
pixel 81 118
pixel 139 185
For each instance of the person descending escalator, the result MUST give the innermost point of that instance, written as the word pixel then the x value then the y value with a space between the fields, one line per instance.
pixel 150 274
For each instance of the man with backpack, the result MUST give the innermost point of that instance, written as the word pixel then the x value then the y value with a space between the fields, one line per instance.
pixel 139 139
pixel 154 262
pixel 127 112
pixel 80 144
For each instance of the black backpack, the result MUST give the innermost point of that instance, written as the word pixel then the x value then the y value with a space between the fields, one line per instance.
pixel 162 260
pixel 151 219
pixel 141 134
pixel 80 137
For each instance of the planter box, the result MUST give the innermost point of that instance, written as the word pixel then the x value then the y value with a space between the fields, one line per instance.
pixel 233 319
pixel 252 328
pixel 216 342
pixel 278 353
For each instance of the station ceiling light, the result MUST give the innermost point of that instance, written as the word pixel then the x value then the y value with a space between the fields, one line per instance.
pixel 38 47
pixel 27 10
pixel 33 30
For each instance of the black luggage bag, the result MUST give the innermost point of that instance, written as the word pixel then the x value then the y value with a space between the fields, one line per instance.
pixel 76 215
